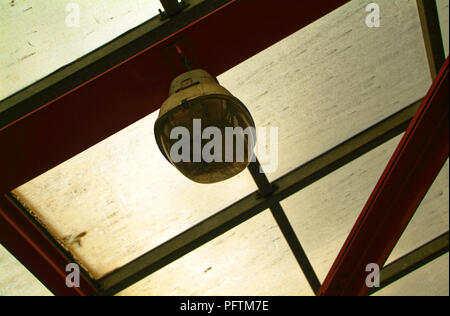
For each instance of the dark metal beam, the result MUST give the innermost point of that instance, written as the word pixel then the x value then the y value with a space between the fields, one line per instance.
pixel 265 189
pixel 26 240
pixel 41 130
pixel 413 261
pixel 431 30
pixel 409 174
pixel 253 204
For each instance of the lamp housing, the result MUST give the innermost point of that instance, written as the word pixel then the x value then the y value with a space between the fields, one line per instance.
pixel 197 97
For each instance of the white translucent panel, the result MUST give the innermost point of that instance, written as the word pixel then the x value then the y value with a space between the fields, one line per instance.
pixel 334 78
pixel 36 40
pixel 253 259
pixel 429 280
pixel 442 6
pixel 16 280
pixel 121 198
pixel 324 213
pixel 430 220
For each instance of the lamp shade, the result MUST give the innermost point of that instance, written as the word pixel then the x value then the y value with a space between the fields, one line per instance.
pixel 203 130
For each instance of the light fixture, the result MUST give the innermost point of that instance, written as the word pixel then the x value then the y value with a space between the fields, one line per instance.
pixel 198 104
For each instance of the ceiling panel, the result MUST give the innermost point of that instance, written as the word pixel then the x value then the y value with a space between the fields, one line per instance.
pixel 36 40
pixel 252 259
pixel 16 280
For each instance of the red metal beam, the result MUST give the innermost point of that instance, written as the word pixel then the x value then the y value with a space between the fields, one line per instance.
pixel 409 174
pixel 103 106
pixel 43 259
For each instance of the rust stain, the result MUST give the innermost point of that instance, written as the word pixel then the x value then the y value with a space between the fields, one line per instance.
pixel 209 269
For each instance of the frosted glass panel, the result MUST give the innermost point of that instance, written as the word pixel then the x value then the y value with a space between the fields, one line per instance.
pixel 252 259
pixel 334 78
pixel 429 280
pixel 121 198
pixel 36 40
pixel 16 280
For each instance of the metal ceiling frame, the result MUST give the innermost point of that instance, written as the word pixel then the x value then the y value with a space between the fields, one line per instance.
pixel 119 72
pixel 269 195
